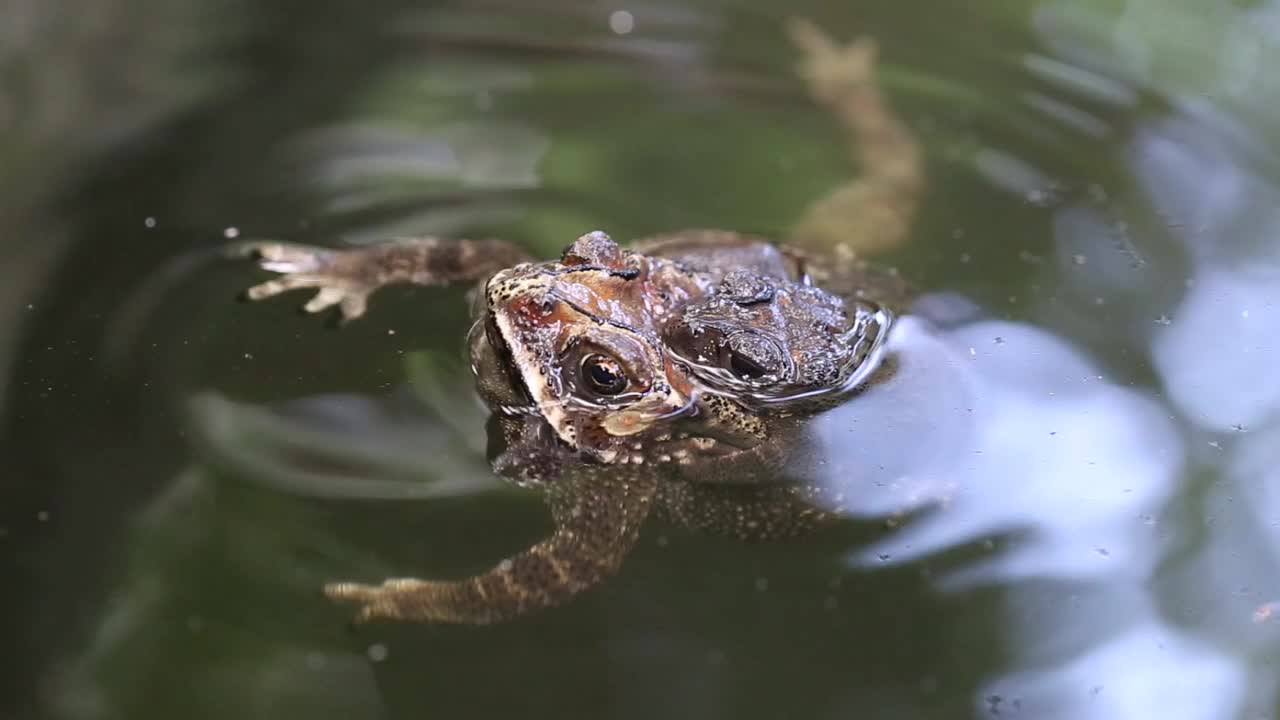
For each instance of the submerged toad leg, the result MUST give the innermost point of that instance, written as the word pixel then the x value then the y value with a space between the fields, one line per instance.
pixel 597 522
pixel 874 212
pixel 347 278
pixel 771 512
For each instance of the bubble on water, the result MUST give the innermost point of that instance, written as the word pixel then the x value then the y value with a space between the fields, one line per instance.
pixel 377 652
pixel 621 22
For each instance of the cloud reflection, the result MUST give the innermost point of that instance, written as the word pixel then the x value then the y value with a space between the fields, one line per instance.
pixel 1002 426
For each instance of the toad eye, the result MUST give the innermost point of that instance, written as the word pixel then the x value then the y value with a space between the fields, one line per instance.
pixel 603 375
pixel 744 367
pixel 750 357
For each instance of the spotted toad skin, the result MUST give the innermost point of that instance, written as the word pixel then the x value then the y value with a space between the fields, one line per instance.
pixel 672 377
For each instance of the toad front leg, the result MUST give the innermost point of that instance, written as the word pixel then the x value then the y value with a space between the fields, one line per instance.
pixel 874 212
pixel 597 521
pixel 347 278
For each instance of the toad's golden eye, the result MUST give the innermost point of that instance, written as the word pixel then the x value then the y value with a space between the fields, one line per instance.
pixel 603 375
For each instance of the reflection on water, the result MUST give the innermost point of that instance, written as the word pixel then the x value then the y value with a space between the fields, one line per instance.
pixel 1066 498
pixel 1007 445
pixel 1006 436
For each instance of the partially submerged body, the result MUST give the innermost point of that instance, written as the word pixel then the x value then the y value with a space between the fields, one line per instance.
pixel 672 377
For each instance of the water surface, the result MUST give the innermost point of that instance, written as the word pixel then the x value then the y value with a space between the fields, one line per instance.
pixel 1066 500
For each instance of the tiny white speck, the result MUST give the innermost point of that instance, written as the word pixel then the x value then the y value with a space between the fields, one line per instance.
pixel 762 584
pixel 621 22
pixel 149 222
pixel 231 233
pixel 973 352
pixel 1164 320
pixel 31 306
pixel 1079 259
pixel 377 652
pixel 248 356
pixel 1099 301
pixel 391 331
pixel 1244 314
pixel 43 516
pixel 964 257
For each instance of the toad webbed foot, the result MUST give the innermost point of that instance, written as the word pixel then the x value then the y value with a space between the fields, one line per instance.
pixel 832 71
pixel 300 266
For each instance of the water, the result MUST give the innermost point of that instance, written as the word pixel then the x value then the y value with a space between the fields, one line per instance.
pixel 1065 504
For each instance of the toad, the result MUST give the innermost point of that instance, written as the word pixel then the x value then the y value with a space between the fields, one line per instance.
pixel 669 377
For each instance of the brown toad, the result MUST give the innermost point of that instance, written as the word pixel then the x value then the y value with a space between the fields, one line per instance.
pixel 673 376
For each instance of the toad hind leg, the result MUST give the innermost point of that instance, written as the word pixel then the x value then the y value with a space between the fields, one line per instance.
pixel 874 212
pixel 596 525
pixel 347 278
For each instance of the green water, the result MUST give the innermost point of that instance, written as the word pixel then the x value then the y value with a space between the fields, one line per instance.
pixel 183 472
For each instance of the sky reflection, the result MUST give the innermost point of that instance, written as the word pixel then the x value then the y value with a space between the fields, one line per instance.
pixel 1008 444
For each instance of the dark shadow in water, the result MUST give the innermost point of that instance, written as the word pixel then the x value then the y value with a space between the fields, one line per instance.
pixel 67 422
